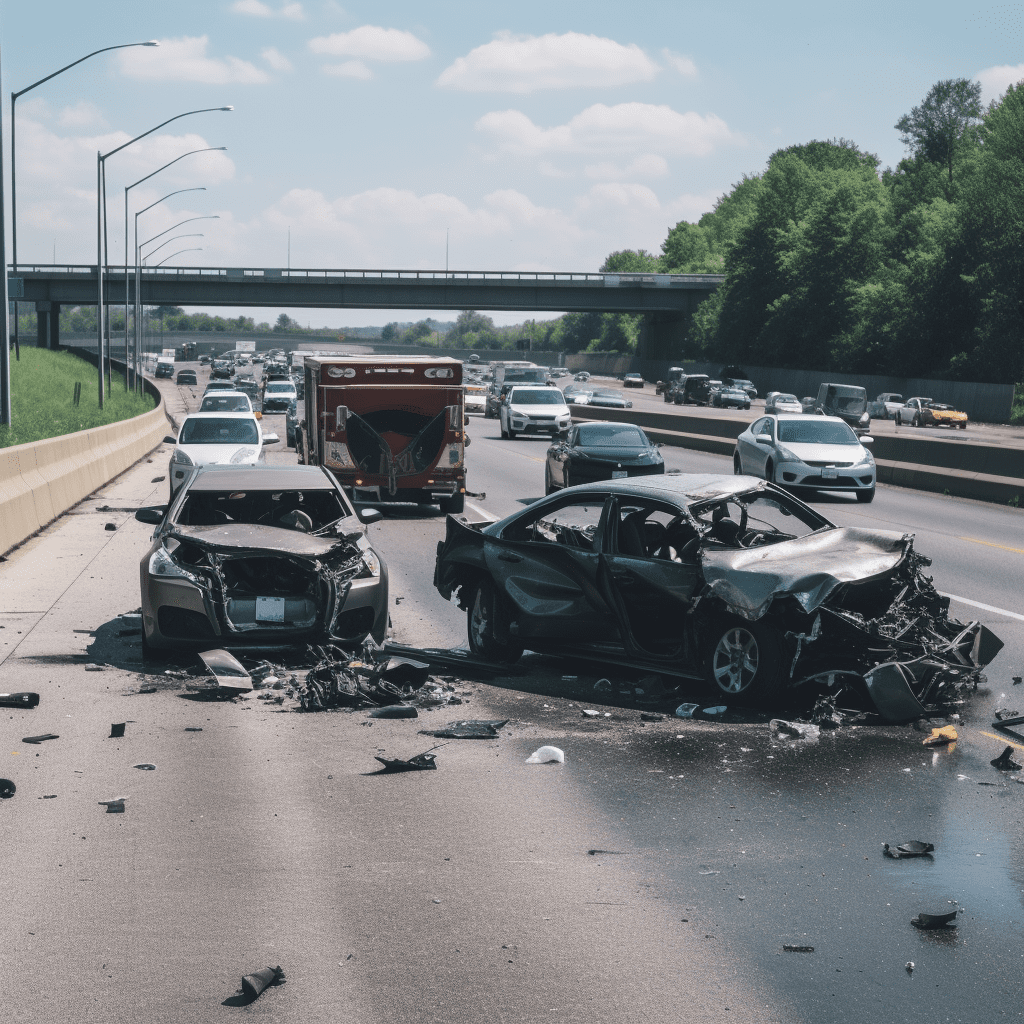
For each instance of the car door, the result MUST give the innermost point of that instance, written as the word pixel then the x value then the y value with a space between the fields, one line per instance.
pixel 546 564
pixel 752 454
pixel 649 574
pixel 558 458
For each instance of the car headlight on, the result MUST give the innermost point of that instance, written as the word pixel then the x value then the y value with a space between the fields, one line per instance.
pixel 454 455
pixel 783 454
pixel 371 563
pixel 242 455
pixel 161 564
pixel 179 458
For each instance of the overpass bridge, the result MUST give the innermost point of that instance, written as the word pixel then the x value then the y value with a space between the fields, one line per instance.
pixel 665 299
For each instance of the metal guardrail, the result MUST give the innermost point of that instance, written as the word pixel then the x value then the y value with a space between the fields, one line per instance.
pixel 454 276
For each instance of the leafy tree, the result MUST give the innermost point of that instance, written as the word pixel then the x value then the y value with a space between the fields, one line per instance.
pixel 631 261
pixel 469 320
pixel 944 123
pixel 389 332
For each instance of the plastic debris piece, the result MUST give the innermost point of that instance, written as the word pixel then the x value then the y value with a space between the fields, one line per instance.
pixel 718 709
pixel 19 700
pixel 784 731
pixel 39 739
pixel 1017 680
pixel 471 729
pixel 940 737
pixel 892 695
pixel 1003 713
pixel 608 853
pixel 927 922
pixel 116 730
pixel 650 716
pixel 148 689
pixel 546 755
pixel 419 763
pixel 92 667
pixel 395 711
pixel 406 672
pixel 227 670
pixel 591 713
pixel 253 984
pixel 911 848
pixel 686 710
pixel 1005 762
pixel 7 789
pixel 193 728
pixel 790 948
pixel 115 805
pixel 48 796
pixel 145 767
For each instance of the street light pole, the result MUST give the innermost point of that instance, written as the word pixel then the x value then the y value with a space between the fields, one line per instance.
pixel 178 253
pixel 101 159
pixel 14 141
pixel 5 341
pixel 128 188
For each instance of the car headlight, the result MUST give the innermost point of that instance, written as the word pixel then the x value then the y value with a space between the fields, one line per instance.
pixel 864 420
pixel 783 454
pixel 454 456
pixel 242 455
pixel 371 563
pixel 161 564
pixel 866 459
pixel 178 457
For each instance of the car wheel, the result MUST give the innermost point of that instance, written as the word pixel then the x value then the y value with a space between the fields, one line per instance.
pixel 744 660
pixel 963 426
pixel 866 497
pixel 512 435
pixel 769 471
pixel 899 420
pixel 915 422
pixel 737 465
pixel 453 506
pixel 504 432
pixel 668 397
pixel 480 623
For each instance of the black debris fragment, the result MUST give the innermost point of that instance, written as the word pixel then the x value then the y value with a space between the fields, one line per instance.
pixel 930 922
pixel 790 948
pixel 338 680
pixel 110 527
pixel 253 984
pixel 471 729
pixel 782 730
pixel 395 711
pixel 116 730
pixel 145 767
pixel 115 805
pixel 193 728
pixel 1003 714
pixel 40 739
pixel 19 700
pixel 157 479
pixel 1005 762
pixel 419 763
pixel 595 853
pixel 911 848
pixel 7 789
pixel 406 672
pixel 147 689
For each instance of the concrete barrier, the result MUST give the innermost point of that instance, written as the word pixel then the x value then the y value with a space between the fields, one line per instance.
pixel 924 462
pixel 41 480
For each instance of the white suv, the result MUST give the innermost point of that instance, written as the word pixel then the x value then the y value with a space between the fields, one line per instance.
pixel 534 409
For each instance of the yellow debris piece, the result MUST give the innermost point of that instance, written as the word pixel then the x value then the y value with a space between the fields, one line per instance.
pixel 940 737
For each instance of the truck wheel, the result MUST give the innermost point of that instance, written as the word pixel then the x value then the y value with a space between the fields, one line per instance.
pixel 453 506
pixel 480 625
pixel 744 660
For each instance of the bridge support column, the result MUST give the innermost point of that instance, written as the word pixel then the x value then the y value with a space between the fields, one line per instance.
pixel 48 325
pixel 662 336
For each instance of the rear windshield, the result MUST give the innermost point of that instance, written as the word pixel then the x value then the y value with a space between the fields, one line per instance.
pixel 281 386
pixel 816 431
pixel 787 398
pixel 612 435
pixel 219 431
pixel 545 396
pixel 224 403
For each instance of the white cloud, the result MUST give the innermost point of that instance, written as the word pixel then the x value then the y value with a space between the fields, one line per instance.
pixel 624 128
pixel 258 9
pixel 995 80
pixel 649 165
pixel 372 42
pixel 526 63
pixel 185 60
pixel 683 65
pixel 82 115
pixel 278 61
pixel 350 69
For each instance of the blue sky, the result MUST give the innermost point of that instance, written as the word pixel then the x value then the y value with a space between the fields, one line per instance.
pixel 538 136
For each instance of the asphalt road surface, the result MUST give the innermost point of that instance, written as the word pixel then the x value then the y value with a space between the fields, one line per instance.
pixel 471 893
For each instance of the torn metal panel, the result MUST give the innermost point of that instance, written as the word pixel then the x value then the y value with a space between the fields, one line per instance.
pixel 227 670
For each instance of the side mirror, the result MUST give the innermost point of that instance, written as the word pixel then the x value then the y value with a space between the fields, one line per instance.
pixel 867 440
pixel 763 439
pixel 153 515
pixel 466 441
pixel 270 439
pixel 170 440
pixel 369 516
pixel 465 420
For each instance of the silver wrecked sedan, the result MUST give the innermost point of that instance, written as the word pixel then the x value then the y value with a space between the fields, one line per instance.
pixel 260 555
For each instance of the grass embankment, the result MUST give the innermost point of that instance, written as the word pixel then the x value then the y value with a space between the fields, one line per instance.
pixel 42 397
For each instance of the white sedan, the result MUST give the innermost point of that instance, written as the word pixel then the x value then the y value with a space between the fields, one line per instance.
pixel 216 438
pixel 803 453
pixel 779 401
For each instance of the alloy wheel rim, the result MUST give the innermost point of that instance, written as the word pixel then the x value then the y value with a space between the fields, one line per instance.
pixel 735 661
pixel 479 620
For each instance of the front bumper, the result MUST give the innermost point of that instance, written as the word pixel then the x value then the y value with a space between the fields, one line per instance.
pixel 801 476
pixel 592 472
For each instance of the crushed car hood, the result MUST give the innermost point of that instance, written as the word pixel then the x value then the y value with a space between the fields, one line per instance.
pixel 747 580
pixel 248 537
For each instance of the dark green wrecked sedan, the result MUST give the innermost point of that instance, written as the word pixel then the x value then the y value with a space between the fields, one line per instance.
pixel 728 581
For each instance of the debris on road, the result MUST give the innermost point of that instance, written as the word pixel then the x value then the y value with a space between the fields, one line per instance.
pixel 454 657
pixel 157 479
pixel 546 755
pixel 590 713
pixel 395 711
pixel 910 967
pixel 7 789
pixel 686 710
pixel 145 767
pixel 615 853
pixel 40 739
pixel 338 680
pixel 92 667
pixel 193 728
pixel 790 948
pixel 227 670
pixel 1005 762
pixel 911 848
pixel 116 730
pixel 19 700
pixel 784 731
pixel 419 763
pixel 930 922
pixel 941 737
pixel 1004 714
pixel 718 709
pixel 110 527
pixel 253 984
pixel 471 729
pixel 114 805
pixel 406 672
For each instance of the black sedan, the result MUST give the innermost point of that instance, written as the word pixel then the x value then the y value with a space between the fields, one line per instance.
pixel 728 581
pixel 730 398
pixel 600 451
pixel 187 377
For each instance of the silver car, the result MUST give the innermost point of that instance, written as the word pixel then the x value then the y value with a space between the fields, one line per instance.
pixel 803 453
pixel 260 555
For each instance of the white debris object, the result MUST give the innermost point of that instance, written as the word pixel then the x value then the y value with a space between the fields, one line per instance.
pixel 546 755
pixel 783 731
pixel 686 710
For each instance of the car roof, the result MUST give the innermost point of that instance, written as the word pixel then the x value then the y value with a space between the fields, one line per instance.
pixel 227 394
pixel 261 478
pixel 802 418
pixel 676 487
pixel 213 414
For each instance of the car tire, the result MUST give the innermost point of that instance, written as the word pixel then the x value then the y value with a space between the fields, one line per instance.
pixel 737 465
pixel 866 497
pixel 512 435
pixel 769 472
pixel 504 432
pixel 480 627
pixel 744 660
pixel 899 420
pixel 915 422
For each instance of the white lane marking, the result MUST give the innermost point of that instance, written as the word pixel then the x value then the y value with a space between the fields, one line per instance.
pixel 983 607
pixel 482 512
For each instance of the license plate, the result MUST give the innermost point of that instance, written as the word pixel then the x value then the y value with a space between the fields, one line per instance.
pixel 618 474
pixel 828 473
pixel 270 609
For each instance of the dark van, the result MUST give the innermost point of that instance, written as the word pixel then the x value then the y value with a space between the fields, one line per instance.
pixel 846 401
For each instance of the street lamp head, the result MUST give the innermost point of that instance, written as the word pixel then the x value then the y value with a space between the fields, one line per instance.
pixel 227 108
pixel 152 42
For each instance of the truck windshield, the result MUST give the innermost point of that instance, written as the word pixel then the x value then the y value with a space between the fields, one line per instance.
pixel 530 376
pixel 852 401
pixel 542 396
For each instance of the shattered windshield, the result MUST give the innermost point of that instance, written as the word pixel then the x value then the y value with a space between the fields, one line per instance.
pixel 816 431
pixel 755 518
pixel 219 431
pixel 309 511
pixel 612 435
